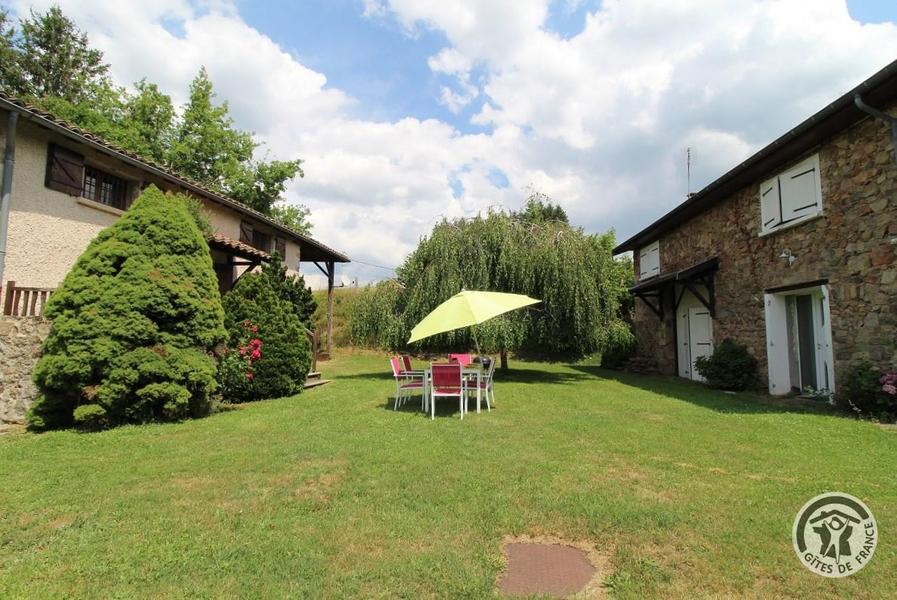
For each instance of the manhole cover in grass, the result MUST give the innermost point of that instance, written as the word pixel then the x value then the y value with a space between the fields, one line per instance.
pixel 552 568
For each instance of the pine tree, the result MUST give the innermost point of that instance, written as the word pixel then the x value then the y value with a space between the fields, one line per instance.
pixel 134 322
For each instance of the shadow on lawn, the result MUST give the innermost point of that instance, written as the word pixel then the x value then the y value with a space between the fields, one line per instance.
pixel 512 375
pixel 700 395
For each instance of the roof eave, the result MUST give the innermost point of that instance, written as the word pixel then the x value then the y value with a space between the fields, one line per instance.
pixel 766 159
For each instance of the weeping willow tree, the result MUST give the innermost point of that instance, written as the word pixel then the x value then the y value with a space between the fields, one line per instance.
pixel 581 285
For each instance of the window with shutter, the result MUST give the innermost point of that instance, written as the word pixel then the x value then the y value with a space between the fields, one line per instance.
pixel 280 246
pixel 800 191
pixel 791 197
pixel 65 170
pixel 770 209
pixel 649 261
pixel 246 232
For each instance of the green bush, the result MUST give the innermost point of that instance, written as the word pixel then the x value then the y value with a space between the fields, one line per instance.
pixel 860 391
pixel 291 288
pixel 374 317
pixel 134 322
pixel 730 367
pixel 285 354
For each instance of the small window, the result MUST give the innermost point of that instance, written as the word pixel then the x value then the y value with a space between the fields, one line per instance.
pixel 649 261
pixel 107 189
pixel 261 241
pixel 791 197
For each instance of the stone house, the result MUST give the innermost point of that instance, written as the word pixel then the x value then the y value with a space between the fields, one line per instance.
pixel 791 253
pixel 61 186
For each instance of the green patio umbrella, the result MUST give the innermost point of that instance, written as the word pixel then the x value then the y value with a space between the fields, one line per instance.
pixel 468 308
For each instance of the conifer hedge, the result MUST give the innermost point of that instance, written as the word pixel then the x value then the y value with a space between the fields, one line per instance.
pixel 134 324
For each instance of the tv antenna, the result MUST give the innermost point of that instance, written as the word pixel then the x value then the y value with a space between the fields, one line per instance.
pixel 688 171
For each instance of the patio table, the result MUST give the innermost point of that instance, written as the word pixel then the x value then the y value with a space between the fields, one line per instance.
pixel 472 371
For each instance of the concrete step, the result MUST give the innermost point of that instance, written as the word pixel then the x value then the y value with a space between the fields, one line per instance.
pixel 313 375
pixel 310 383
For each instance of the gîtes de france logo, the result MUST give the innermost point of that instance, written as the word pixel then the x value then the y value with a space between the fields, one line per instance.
pixel 835 535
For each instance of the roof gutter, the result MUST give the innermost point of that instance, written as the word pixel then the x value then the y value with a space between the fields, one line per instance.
pixel 878 114
pixel 9 161
pixel 145 166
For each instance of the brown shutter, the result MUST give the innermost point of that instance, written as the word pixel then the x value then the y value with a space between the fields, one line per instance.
pixel 246 232
pixel 280 246
pixel 65 170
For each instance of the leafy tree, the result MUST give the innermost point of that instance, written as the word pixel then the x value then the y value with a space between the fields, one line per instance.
pixel 134 322
pixel 149 118
pixel 574 275
pixel 50 63
pixel 296 217
pixel 260 185
pixel 206 146
pixel 8 55
pixel 53 59
pixel 540 209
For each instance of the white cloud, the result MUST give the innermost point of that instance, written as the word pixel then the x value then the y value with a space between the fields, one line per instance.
pixel 598 120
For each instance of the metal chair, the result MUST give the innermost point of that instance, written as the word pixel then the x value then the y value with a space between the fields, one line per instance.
pixel 446 381
pixel 404 384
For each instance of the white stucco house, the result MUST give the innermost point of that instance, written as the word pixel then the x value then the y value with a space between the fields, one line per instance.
pixel 63 185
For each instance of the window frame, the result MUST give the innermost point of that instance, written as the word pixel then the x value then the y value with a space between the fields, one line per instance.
pixel 809 162
pixel 119 187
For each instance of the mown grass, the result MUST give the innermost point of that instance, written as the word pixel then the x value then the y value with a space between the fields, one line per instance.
pixel 690 492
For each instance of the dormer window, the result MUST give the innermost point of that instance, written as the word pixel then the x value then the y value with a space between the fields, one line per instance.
pixel 649 261
pixel 791 197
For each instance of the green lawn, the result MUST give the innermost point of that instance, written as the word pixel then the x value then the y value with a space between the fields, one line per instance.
pixel 690 492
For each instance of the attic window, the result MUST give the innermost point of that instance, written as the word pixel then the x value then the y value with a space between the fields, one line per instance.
pixel 102 187
pixel 791 197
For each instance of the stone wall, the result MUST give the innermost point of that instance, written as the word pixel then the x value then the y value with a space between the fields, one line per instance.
pixel 853 244
pixel 20 344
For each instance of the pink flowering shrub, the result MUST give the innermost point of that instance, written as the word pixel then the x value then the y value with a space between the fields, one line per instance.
pixel 869 392
pixel 888 383
pixel 270 355
pixel 236 371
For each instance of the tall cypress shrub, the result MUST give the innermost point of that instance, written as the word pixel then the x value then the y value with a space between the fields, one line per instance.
pixel 134 323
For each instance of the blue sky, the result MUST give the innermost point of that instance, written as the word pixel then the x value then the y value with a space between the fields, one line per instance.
pixel 386 70
pixel 409 111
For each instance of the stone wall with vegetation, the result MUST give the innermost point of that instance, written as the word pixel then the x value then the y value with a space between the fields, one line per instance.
pixel 853 245
pixel 20 344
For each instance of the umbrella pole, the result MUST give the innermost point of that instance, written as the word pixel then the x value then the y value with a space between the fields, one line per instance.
pixel 473 329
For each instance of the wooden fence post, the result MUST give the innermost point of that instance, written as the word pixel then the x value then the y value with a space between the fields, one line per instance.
pixel 7 304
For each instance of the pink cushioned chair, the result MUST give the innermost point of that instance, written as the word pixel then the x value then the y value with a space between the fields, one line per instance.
pixel 404 384
pixel 446 382
pixel 462 359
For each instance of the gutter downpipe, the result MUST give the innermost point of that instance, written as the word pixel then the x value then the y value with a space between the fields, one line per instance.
pixel 879 114
pixel 6 187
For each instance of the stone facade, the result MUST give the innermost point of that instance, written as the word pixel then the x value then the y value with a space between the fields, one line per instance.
pixel 20 345
pixel 853 245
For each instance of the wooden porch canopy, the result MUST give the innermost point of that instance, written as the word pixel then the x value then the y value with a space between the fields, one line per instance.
pixel 310 251
pixel 653 291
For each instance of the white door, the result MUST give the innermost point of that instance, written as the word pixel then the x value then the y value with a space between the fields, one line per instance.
pixel 825 375
pixel 700 337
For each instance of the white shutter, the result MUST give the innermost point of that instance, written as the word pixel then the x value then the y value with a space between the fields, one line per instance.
pixel 649 261
pixel 800 190
pixel 777 344
pixel 770 209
